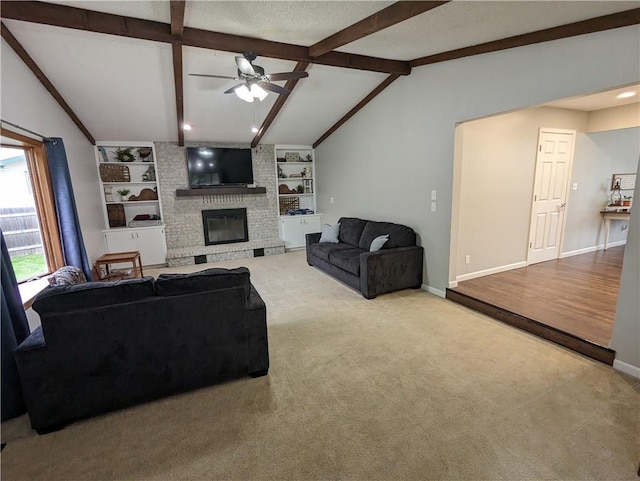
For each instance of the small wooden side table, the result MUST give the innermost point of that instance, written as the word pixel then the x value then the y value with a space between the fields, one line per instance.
pixel 608 216
pixel 118 258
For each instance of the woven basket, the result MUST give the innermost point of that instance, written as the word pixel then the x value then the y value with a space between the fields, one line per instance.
pixel 114 173
pixel 290 203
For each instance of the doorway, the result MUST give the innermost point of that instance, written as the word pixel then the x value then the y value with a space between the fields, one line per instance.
pixel 494 185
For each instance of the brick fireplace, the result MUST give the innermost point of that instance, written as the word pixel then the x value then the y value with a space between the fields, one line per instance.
pixel 184 226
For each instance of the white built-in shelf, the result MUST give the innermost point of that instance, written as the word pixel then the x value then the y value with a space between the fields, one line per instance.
pixel 296 163
pixel 290 179
pixel 297 195
pixel 128 183
pixel 128 163
pixel 131 202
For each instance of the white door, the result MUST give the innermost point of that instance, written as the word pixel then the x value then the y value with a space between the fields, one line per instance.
pixel 550 192
pixel 152 246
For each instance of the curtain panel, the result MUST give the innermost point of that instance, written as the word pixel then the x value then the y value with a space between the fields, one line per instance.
pixel 73 248
pixel 15 329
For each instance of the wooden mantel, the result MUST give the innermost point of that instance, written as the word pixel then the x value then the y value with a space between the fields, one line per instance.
pixel 220 190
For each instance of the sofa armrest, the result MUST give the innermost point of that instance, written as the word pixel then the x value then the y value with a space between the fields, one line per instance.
pixel 256 328
pixel 389 270
pixel 313 238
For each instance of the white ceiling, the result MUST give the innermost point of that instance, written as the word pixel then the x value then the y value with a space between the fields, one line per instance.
pixel 122 89
pixel 600 100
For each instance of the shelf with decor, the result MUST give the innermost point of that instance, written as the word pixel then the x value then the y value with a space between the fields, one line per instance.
pixel 296 193
pixel 130 199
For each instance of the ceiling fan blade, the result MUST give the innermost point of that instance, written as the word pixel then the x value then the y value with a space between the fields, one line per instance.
pixel 245 66
pixel 274 88
pixel 274 77
pixel 233 88
pixel 212 76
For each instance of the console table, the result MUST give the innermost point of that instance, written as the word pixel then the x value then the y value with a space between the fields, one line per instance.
pixel 608 216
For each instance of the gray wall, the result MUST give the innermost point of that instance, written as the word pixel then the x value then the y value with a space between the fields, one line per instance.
pixel 27 103
pixel 597 157
pixel 384 162
pixel 626 331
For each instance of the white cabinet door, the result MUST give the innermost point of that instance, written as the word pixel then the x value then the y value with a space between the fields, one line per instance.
pixel 152 246
pixel 293 229
pixel 150 242
pixel 120 241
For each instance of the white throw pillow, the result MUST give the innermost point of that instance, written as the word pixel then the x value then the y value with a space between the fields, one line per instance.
pixel 378 242
pixel 330 233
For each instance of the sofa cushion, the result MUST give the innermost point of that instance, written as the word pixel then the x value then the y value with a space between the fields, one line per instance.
pixel 399 235
pixel 347 259
pixel 351 230
pixel 56 299
pixel 323 250
pixel 330 233
pixel 206 280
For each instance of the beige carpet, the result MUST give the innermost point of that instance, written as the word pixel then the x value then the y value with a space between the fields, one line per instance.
pixel 406 386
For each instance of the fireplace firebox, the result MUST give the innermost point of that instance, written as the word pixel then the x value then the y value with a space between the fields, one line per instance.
pixel 225 226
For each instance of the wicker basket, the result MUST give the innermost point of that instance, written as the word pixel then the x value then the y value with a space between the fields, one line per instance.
pixel 114 173
pixel 289 203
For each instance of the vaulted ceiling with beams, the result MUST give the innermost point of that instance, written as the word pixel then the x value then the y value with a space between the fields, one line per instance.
pixel 121 68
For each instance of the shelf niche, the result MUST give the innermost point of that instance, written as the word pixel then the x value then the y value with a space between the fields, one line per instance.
pixel 220 191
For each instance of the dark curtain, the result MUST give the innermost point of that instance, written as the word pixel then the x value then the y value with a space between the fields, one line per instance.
pixel 72 244
pixel 15 329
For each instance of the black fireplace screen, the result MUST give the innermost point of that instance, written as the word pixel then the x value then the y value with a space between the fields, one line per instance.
pixel 224 226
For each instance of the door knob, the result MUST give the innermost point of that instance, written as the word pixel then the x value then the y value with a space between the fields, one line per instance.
pixel 563 205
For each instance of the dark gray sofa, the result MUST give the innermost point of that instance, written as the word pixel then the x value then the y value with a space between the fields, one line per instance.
pixel 107 345
pixel 398 265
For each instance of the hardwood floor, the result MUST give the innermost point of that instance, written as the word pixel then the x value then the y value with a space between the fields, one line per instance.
pixel 575 297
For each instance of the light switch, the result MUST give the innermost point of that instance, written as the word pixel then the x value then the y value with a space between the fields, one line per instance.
pixel 574 186
pixel 434 195
pixel 330 200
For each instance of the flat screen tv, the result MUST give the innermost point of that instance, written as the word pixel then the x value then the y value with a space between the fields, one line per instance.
pixel 209 166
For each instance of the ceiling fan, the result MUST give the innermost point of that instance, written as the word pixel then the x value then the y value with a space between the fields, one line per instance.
pixel 255 82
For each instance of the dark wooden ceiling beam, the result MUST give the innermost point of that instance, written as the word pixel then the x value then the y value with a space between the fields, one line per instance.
pixel 177 27
pixel 598 24
pixel 391 78
pixel 393 14
pixel 177 17
pixel 179 90
pixel 29 62
pixel 277 106
pixel 88 20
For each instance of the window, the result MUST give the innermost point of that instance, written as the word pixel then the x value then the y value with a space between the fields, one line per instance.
pixel 27 212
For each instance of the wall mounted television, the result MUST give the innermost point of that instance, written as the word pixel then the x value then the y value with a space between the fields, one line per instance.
pixel 219 166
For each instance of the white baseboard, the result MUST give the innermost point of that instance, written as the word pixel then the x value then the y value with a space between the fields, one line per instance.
pixel 434 291
pixel 627 368
pixel 493 270
pixel 592 249
pixel 452 284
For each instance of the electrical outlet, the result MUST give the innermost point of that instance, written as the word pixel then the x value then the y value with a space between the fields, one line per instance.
pixel 433 206
pixel 467 259
pixel 574 186
pixel 331 200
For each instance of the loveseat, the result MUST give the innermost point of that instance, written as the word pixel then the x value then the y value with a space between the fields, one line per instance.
pixel 103 346
pixel 348 257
